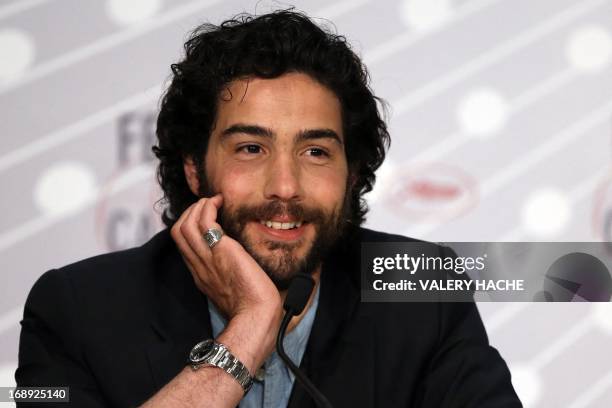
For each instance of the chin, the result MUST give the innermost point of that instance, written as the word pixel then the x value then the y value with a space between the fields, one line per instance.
pixel 281 260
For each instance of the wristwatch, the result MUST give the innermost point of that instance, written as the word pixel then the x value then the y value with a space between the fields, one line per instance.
pixel 210 353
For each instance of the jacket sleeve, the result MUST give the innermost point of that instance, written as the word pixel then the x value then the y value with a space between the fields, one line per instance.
pixel 465 370
pixel 49 349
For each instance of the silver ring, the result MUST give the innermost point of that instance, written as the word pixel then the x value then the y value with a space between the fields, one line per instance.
pixel 212 237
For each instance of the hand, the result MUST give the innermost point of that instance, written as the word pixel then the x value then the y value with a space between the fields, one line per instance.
pixel 227 274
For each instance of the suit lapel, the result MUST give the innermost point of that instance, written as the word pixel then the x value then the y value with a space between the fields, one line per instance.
pixel 181 319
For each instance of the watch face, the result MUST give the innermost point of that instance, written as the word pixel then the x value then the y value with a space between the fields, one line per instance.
pixel 201 351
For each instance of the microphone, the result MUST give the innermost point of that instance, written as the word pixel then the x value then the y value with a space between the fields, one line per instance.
pixel 576 276
pixel 297 296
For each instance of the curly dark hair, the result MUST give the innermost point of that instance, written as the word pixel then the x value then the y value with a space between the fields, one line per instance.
pixel 265 46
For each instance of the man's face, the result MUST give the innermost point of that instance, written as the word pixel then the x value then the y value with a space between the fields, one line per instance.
pixel 276 154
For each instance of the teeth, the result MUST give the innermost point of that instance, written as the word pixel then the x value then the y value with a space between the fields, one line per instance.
pixel 281 225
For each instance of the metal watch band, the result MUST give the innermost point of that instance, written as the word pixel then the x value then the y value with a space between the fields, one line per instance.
pixel 210 353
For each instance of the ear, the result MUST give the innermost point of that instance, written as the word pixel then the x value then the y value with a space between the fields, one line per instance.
pixel 191 175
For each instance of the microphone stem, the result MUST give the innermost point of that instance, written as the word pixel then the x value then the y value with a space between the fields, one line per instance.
pixel 319 398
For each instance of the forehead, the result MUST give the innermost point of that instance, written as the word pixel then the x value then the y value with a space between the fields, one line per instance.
pixel 287 104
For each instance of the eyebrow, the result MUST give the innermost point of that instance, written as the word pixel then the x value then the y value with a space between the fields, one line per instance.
pixel 249 130
pixel 307 134
pixel 310 134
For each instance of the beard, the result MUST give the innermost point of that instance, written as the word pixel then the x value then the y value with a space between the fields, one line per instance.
pixel 282 264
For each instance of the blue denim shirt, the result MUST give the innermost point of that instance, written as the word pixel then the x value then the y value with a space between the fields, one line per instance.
pixel 275 389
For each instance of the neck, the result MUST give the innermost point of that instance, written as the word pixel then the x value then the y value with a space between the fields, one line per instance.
pixel 316 275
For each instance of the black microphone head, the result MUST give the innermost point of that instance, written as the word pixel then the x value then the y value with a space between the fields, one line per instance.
pixel 298 293
pixel 578 276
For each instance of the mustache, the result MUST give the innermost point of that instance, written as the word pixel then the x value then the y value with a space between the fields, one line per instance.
pixel 269 210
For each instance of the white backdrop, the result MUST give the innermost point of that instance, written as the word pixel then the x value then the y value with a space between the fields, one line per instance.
pixel 501 115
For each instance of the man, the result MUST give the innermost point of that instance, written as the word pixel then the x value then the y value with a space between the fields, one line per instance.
pixel 268 138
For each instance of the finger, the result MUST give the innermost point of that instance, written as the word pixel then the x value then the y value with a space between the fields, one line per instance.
pixel 175 231
pixel 191 231
pixel 195 232
pixel 197 250
pixel 194 235
pixel 186 251
pixel 208 217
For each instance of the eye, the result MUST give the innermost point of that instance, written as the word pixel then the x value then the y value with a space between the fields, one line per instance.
pixel 316 152
pixel 249 149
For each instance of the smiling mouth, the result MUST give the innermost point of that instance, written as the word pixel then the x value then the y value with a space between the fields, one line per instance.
pixel 281 225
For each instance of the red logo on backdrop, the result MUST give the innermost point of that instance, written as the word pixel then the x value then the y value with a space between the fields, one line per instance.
pixel 438 191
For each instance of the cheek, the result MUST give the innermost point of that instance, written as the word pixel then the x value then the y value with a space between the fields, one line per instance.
pixel 327 188
pixel 236 183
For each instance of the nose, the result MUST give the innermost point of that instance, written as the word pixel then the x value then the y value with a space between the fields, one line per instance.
pixel 283 179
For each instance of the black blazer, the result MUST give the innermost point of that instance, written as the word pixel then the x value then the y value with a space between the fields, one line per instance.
pixel 117 327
